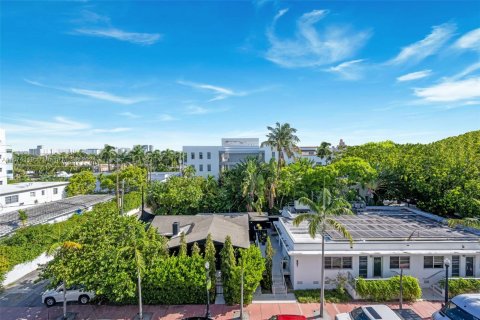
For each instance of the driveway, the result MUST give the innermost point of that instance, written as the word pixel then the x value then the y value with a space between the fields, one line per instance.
pixel 24 293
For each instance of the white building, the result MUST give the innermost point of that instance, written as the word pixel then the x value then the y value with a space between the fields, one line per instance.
pixel 6 160
pixel 25 194
pixel 211 160
pixel 384 238
pixel 92 151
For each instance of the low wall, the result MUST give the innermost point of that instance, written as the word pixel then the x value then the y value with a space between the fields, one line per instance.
pixel 22 269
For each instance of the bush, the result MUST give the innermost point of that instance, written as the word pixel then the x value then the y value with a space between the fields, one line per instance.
pixel 458 286
pixel 384 290
pixel 313 296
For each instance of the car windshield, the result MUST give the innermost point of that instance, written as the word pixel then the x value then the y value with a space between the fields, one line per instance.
pixel 358 314
pixel 454 312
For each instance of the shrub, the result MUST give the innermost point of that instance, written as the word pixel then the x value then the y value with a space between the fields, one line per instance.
pixel 458 286
pixel 389 289
pixel 313 296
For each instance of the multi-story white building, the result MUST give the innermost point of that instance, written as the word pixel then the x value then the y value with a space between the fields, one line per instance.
pixel 6 160
pixel 211 160
pixel 385 239
pixel 25 194
pixel 92 151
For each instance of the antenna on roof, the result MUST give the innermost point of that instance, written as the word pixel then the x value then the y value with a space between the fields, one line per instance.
pixel 411 235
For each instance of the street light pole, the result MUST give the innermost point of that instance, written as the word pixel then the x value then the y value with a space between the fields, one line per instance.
pixel 447 264
pixel 207 268
pixel 241 293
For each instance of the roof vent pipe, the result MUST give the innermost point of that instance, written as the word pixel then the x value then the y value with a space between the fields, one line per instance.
pixel 175 229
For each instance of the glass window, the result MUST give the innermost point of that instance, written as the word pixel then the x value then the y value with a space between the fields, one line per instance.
pixel 454 312
pixel 32 194
pixel 358 314
pixel 347 263
pixel 192 155
pixel 43 192
pixel 55 190
pixel 397 262
pixel 200 155
pixel 209 155
pixel 455 266
pixel 200 167
pixel 338 262
pixel 1 182
pixel 273 154
pixel 433 262
pixel 363 266
pixel 209 167
pixel 11 199
pixel 1 169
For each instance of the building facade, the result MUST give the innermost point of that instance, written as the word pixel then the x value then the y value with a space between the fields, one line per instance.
pixel 385 239
pixel 6 160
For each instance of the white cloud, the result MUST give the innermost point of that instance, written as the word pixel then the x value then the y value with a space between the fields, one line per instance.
pixel 465 72
pixel 57 126
pixel 165 117
pixel 414 75
pixel 312 47
pixel 114 130
pixel 428 46
pixel 100 95
pixel 198 110
pixel 470 40
pixel 349 70
pixel 130 115
pixel 133 37
pixel 450 91
pixel 219 93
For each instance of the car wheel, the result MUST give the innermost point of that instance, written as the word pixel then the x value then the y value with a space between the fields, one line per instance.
pixel 83 299
pixel 50 301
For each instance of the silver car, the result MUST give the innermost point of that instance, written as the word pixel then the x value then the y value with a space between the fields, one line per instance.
pixel 74 293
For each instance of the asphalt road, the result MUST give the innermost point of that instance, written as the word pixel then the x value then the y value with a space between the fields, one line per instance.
pixel 24 293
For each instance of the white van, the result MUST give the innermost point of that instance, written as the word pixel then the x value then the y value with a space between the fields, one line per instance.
pixel 461 307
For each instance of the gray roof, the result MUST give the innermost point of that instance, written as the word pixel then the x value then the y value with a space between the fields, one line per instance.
pixel 197 228
pixel 44 212
pixel 396 224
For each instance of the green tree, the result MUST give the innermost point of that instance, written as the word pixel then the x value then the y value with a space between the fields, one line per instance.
pixel 252 265
pixel 23 217
pixel 107 154
pixel 134 179
pixel 324 151
pixel 210 256
pixel 282 138
pixel 253 185
pixel 228 263
pixel 267 276
pixel 83 182
pixel 195 249
pixel 183 249
pixel 322 210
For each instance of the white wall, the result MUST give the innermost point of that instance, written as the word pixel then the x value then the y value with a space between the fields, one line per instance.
pixel 214 161
pixel 27 199
pixel 21 270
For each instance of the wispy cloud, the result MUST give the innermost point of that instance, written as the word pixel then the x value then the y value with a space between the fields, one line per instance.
pixel 198 110
pixel 465 72
pixel 426 47
pixel 349 70
pixel 450 91
pixel 114 130
pixel 165 117
pixel 130 115
pixel 133 37
pixel 100 95
pixel 312 47
pixel 470 40
pixel 414 75
pixel 219 93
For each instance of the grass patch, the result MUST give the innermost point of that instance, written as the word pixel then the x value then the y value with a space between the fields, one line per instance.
pixel 313 296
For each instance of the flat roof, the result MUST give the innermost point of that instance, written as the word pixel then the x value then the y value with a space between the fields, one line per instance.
pixel 28 186
pixel 392 224
pixel 48 211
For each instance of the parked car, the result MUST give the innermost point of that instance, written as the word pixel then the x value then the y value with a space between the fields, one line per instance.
pixel 74 293
pixel 464 307
pixel 287 317
pixel 378 312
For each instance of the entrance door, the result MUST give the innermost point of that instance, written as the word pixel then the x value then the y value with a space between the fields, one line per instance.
pixel 469 263
pixel 377 267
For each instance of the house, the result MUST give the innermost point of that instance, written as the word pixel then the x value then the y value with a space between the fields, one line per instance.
pixel 197 228
pixel 25 194
pixel 384 239
pixel 6 163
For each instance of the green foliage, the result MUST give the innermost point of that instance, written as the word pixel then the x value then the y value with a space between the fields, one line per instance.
pixel 458 286
pixel 267 276
pixel 210 256
pixel 135 178
pixel 313 296
pixel 195 249
pixel 253 265
pixel 227 265
pixel 23 217
pixel 81 183
pixel 183 250
pixel 389 289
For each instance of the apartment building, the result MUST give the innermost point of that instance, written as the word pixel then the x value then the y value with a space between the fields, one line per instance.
pixel 6 160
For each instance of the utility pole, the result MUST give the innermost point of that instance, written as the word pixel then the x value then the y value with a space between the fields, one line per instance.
pixel 241 293
pixel 123 193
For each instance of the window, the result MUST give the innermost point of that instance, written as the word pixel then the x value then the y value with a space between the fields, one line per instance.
pixel 32 194
pixel 209 167
pixel 452 311
pixel 192 155
pixel 1 182
pixel 200 155
pixel 43 192
pixel 363 266
pixel 200 167
pixel 1 169
pixel 433 262
pixel 455 266
pixel 273 154
pixel 9 171
pixel 11 199
pixel 55 190
pixel 209 155
pixel 397 262
pixel 338 262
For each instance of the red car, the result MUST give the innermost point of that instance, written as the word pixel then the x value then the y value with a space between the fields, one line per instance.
pixel 288 317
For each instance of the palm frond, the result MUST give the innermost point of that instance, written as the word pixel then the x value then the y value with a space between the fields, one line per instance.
pixel 466 222
pixel 340 228
pixel 304 217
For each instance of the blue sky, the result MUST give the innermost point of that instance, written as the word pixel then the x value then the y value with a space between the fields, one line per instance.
pixel 81 74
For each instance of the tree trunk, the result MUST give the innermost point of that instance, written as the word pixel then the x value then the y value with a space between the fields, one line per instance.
pixel 140 310
pixel 64 299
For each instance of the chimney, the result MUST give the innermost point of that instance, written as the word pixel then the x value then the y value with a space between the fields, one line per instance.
pixel 175 229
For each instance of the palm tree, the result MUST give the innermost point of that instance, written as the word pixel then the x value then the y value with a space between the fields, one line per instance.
pixel 137 155
pixel 283 139
pixel 319 219
pixel 61 248
pixel 107 154
pixel 253 185
pixel 324 152
pixel 272 176
pixel 23 217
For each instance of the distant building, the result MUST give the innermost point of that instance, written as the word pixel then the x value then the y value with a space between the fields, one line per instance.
pixel 123 150
pixel 92 151
pixel 6 160
pixel 147 148
pixel 25 194
pixel 41 151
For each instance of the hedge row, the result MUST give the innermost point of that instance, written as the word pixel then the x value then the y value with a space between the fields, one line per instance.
pixel 313 296
pixel 28 243
pixel 458 286
pixel 389 289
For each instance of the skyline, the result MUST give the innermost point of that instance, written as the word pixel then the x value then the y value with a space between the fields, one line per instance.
pixel 82 74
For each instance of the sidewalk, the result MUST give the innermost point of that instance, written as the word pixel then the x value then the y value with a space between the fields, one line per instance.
pixel 256 311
